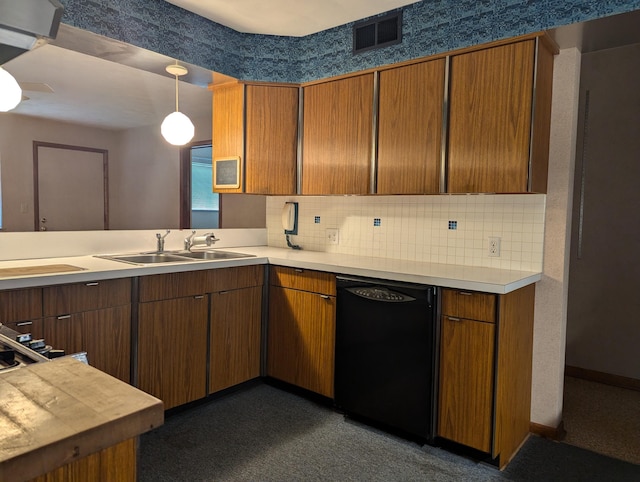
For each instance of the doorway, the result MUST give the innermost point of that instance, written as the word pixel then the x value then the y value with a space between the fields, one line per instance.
pixel 199 205
pixel 71 187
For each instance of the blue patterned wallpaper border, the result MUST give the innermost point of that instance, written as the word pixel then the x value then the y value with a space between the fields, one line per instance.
pixel 429 27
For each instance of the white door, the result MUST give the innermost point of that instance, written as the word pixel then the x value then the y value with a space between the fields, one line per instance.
pixel 71 189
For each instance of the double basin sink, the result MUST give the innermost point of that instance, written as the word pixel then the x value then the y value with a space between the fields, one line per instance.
pixel 174 257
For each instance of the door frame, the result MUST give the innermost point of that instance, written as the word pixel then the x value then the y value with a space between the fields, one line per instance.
pixel 185 181
pixel 105 177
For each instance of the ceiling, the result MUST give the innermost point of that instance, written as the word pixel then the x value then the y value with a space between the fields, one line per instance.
pixel 106 83
pixel 294 18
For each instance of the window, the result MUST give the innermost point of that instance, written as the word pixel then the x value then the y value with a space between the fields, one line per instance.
pixel 200 205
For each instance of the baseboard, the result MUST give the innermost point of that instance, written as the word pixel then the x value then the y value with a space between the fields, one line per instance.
pixel 552 433
pixel 601 377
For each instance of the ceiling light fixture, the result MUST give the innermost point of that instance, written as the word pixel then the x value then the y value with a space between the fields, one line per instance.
pixel 177 128
pixel 10 91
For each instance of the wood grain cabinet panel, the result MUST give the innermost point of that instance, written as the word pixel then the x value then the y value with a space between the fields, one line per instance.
pixel 78 297
pixel 172 285
pixel 303 279
pixel 20 305
pixel 410 128
pixel 469 304
pixel 227 279
pixel 104 334
pixel 301 339
pixel 172 349
pixel 271 139
pixel 466 389
pixel 479 406
pixel 235 337
pixel 259 124
pixel 337 138
pixel 490 119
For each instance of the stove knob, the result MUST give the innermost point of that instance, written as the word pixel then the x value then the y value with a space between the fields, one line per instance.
pixel 55 353
pixel 23 338
pixel 37 344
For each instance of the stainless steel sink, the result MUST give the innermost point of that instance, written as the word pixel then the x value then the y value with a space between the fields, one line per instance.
pixel 174 257
pixel 148 258
pixel 213 255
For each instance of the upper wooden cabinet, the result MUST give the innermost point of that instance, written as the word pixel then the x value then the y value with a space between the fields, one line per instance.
pixel 410 128
pixel 258 124
pixel 337 139
pixel 490 119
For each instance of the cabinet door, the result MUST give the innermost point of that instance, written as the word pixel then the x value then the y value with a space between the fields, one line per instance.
pixel 227 125
pixel 235 337
pixel 104 334
pixel 466 382
pixel 172 349
pixel 301 339
pixel 410 129
pixel 20 305
pixel 271 139
pixel 490 119
pixel 338 117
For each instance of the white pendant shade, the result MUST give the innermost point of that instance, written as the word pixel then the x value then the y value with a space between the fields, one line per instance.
pixel 177 129
pixel 10 91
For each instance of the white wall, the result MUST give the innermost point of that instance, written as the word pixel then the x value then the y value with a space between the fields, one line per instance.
pixel 17 133
pixel 551 292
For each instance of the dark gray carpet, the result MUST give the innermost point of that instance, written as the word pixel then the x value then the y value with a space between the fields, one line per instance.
pixel 266 434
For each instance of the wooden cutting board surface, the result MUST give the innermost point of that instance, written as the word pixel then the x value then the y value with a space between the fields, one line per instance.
pixel 45 269
pixel 53 413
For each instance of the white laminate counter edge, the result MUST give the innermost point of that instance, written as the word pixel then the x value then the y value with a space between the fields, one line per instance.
pixel 473 278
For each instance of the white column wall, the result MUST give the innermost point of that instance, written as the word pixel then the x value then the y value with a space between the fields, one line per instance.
pixel 552 291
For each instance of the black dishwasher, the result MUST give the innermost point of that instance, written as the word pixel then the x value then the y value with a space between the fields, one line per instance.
pixel 385 344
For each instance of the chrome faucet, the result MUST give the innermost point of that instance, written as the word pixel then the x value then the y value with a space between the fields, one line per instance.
pixel 188 241
pixel 160 248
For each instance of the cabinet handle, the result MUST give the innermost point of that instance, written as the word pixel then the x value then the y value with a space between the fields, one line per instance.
pixel 223 292
pixel 298 270
pixel 63 317
pixel 465 293
pixel 325 297
pixel 198 297
pixel 94 283
pixel 24 323
pixel 453 318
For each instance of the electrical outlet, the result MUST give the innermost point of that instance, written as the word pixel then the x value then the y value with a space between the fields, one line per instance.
pixel 494 246
pixel 333 235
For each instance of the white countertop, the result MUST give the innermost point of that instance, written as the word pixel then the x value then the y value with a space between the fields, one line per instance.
pixel 474 278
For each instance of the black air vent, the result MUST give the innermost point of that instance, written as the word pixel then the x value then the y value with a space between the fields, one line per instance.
pixel 377 33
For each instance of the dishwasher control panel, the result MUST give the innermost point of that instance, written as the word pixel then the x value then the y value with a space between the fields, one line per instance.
pixel 379 293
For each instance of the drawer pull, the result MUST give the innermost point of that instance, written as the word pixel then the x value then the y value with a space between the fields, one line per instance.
pixel 452 318
pixel 325 297
pixel 465 293
pixel 64 317
pixel 24 323
pixel 223 292
pixel 298 270
pixel 198 297
pixel 94 283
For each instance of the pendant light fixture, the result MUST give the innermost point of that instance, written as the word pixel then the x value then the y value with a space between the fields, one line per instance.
pixel 177 128
pixel 10 91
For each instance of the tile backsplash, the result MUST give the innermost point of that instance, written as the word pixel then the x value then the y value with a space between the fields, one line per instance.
pixel 451 229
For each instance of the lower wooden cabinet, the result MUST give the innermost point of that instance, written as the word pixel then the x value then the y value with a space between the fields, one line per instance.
pixel 234 340
pixel 466 392
pixel 302 330
pixel 486 345
pixel 172 349
pixel 104 334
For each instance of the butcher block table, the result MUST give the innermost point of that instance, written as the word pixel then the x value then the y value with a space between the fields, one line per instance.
pixel 71 421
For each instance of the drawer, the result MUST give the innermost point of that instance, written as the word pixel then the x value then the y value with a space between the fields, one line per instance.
pixel 173 285
pixel 227 279
pixel 34 326
pixel 471 305
pixel 20 305
pixel 303 280
pixel 79 297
